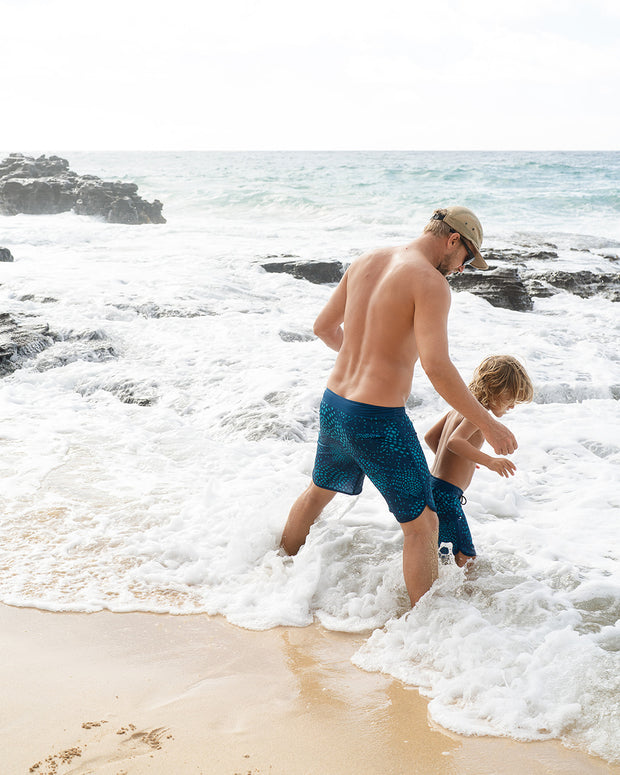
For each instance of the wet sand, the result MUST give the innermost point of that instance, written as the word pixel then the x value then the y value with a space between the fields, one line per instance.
pixel 125 694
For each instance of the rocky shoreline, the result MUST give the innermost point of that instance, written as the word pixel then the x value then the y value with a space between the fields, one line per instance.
pixel 46 186
pixel 515 278
pixel 510 287
pixel 23 337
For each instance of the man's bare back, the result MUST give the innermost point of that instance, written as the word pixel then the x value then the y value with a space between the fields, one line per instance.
pixel 377 357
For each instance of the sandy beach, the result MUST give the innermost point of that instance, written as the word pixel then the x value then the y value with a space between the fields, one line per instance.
pixel 124 694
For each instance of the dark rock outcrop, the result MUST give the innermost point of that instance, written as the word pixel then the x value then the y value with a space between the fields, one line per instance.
pixel 25 338
pixel 520 255
pixel 46 185
pixel 511 287
pixel 150 309
pixel 127 391
pixel 501 287
pixel 6 255
pixel 582 283
pixel 20 340
pixel 516 288
pixel 315 271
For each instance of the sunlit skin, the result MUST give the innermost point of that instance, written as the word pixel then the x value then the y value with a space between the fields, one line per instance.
pixel 389 311
pixel 454 263
pixel 457 444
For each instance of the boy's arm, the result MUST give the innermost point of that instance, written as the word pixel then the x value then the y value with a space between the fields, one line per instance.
pixel 460 443
pixel 432 436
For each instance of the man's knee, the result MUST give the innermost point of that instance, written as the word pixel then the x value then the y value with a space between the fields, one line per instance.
pixel 426 525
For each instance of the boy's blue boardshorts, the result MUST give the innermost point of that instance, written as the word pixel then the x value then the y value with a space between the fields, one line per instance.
pixel 358 440
pixel 453 527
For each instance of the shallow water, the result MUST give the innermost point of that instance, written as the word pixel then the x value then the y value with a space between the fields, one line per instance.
pixel 152 452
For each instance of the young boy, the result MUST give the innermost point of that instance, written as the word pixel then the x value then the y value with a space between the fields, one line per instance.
pixel 499 383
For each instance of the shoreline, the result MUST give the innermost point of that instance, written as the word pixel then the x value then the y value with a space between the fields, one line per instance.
pixel 132 693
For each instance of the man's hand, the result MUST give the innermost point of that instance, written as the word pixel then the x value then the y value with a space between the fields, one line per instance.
pixel 502 466
pixel 500 438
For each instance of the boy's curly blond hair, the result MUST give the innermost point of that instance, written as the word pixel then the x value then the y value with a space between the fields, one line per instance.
pixel 499 374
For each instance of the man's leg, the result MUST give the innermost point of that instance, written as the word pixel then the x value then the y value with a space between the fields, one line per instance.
pixel 304 512
pixel 420 565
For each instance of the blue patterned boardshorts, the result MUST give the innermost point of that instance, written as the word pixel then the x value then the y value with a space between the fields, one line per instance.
pixel 358 440
pixel 453 527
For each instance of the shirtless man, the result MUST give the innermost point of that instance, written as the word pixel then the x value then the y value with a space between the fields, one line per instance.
pixel 391 308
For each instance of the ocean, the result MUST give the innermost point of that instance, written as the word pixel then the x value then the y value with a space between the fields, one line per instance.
pixel 151 452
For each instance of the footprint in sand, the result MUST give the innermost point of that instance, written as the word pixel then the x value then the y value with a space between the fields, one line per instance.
pixel 147 739
pixel 105 749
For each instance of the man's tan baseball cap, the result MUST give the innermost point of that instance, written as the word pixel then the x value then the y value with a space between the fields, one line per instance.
pixel 467 225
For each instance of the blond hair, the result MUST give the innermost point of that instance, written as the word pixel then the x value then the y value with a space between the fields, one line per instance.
pixel 499 374
pixel 437 227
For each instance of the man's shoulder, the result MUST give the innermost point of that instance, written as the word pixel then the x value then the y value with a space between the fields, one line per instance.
pixel 428 283
pixel 401 268
pixel 380 262
pixel 376 254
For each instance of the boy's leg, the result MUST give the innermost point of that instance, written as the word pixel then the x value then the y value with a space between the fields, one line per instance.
pixel 420 565
pixel 304 512
pixel 462 559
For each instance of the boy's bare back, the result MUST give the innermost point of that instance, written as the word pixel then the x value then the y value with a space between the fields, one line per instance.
pixel 452 468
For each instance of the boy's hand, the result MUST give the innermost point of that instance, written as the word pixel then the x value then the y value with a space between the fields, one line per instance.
pixel 502 466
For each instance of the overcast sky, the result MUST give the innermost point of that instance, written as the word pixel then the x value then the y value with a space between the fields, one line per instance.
pixel 324 74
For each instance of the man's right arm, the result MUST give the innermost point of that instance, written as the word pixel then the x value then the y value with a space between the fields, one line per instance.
pixel 328 325
pixel 432 304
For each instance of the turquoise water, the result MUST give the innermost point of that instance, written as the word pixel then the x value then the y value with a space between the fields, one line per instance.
pixel 513 191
